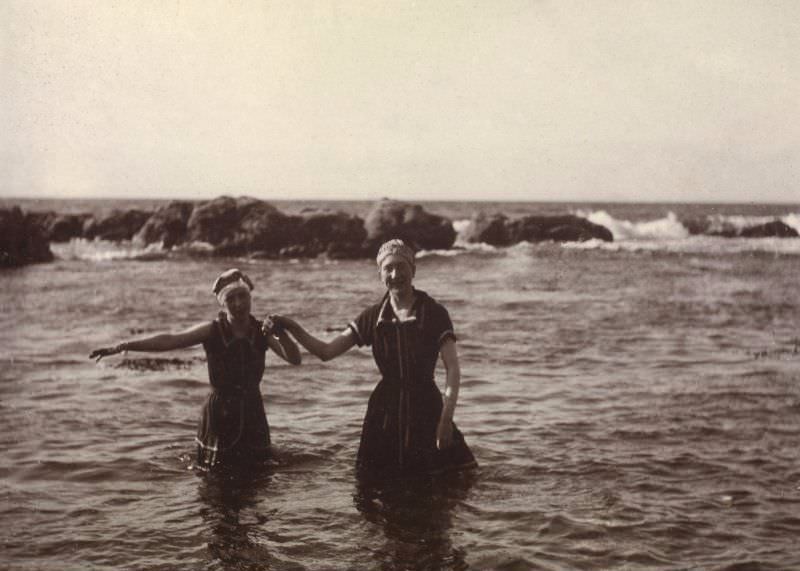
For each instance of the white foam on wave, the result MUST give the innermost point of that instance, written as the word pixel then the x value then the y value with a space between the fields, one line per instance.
pixel 196 247
pixel 695 245
pixel 669 235
pixel 105 251
pixel 721 222
pixel 460 249
pixel 460 226
pixel 668 228
pixel 792 220
pixel 461 246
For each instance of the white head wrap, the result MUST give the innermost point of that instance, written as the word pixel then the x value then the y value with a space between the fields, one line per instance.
pixel 229 281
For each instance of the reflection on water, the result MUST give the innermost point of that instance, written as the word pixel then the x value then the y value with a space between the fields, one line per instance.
pixel 233 517
pixel 416 518
pixel 409 523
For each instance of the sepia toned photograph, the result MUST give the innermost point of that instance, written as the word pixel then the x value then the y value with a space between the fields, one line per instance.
pixel 399 286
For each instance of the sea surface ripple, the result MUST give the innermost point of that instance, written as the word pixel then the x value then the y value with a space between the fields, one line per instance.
pixel 629 410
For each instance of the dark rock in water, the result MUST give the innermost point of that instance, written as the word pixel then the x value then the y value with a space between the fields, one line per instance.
pixel 65 227
pixel 60 227
pixel 576 233
pixel 245 225
pixel 566 228
pixel 696 226
pixel 214 221
pixel 236 226
pixel 116 226
pixel 263 227
pixel 774 229
pixel 711 226
pixel 329 226
pixel 167 225
pixel 330 232
pixel 722 228
pixel 492 230
pixel 22 240
pixel 498 230
pixel 393 219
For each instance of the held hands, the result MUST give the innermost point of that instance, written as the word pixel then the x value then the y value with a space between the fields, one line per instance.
pixel 274 324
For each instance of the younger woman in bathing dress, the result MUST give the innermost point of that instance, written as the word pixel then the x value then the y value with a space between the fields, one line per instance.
pixel 233 426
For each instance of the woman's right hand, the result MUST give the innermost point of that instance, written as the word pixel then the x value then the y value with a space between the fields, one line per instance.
pixel 98 354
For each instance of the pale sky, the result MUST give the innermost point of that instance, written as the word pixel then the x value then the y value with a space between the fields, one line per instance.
pixel 496 100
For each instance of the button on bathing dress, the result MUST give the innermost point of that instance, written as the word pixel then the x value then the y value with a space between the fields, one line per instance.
pixel 233 426
pixel 399 430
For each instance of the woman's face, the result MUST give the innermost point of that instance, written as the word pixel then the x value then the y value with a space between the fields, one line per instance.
pixel 396 274
pixel 237 303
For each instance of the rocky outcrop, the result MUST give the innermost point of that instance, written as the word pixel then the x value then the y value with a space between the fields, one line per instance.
pixel 410 222
pixel 213 222
pixel 498 230
pixel 566 228
pixel 335 233
pixel 488 229
pixel 167 225
pixel 725 228
pixel 227 226
pixel 696 226
pixel 774 229
pixel 117 226
pixel 244 225
pixel 66 227
pixel 263 227
pixel 60 227
pixel 234 226
pixel 22 240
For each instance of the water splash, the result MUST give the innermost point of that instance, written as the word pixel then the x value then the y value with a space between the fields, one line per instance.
pixel 105 251
pixel 668 228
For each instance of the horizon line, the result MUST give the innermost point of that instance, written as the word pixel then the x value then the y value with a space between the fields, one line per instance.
pixel 407 200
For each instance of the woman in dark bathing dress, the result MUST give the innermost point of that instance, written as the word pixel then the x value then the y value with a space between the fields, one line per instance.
pixel 233 426
pixel 408 427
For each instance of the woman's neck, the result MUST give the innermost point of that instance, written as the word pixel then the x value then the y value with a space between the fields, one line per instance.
pixel 402 299
pixel 240 325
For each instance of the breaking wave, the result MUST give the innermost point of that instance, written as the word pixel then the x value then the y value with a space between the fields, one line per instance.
pixel 669 234
pixel 106 251
pixel 668 228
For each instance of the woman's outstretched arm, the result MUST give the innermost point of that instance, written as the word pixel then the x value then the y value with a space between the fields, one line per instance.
pixel 159 342
pixel 325 350
pixel 444 431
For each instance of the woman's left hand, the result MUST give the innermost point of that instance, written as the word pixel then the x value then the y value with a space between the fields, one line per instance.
pixel 444 432
pixel 98 354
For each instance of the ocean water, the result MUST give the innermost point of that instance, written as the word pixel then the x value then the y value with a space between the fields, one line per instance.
pixel 632 405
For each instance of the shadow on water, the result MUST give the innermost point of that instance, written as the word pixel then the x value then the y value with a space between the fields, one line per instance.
pixel 416 516
pixel 230 511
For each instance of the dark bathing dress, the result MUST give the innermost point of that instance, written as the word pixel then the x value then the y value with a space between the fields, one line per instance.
pixel 399 430
pixel 233 426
